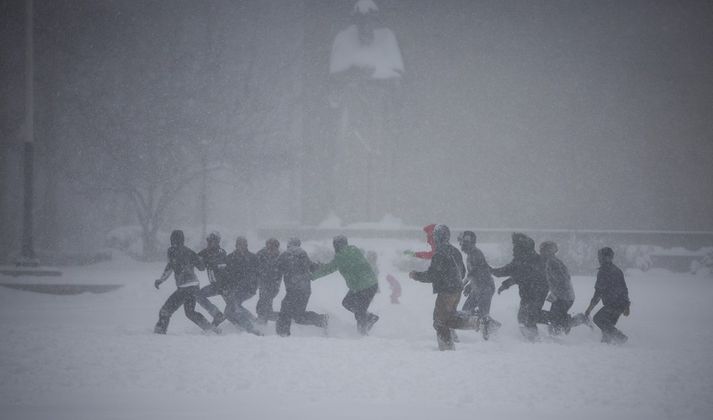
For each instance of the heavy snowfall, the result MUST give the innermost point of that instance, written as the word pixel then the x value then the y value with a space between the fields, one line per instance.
pixel 95 356
pixel 572 139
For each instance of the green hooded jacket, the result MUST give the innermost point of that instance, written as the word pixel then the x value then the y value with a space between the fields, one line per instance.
pixel 353 266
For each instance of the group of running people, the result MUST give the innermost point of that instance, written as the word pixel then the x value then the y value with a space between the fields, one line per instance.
pixel 540 277
pixel 240 275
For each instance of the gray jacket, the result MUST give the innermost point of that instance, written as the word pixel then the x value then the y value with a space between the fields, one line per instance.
pixel 558 279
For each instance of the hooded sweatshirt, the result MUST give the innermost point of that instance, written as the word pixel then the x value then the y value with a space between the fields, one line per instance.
pixel 427 255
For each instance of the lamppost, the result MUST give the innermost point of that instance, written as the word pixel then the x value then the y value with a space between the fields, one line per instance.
pixel 27 255
pixel 27 263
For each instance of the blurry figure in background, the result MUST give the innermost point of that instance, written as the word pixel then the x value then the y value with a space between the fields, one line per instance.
pixel 395 288
pixel 241 285
pixel 425 255
pixel 446 274
pixel 296 267
pixel 360 279
pixel 181 262
pixel 479 285
pixel 561 294
pixel 394 284
pixel 215 259
pixel 527 270
pixel 611 289
pixel 269 277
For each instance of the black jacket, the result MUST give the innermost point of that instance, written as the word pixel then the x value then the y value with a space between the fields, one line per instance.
pixel 242 272
pixel 181 261
pixel 267 267
pixel 216 260
pixel 446 271
pixel 478 270
pixel 296 267
pixel 527 270
pixel 611 287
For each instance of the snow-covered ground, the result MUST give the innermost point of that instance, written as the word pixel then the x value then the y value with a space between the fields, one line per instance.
pixel 95 356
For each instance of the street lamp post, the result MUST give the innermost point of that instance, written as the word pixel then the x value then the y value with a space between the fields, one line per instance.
pixel 27 256
pixel 27 263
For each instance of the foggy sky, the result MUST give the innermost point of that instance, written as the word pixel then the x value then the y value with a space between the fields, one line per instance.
pixel 537 114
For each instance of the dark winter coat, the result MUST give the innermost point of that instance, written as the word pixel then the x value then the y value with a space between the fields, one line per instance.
pixel 182 261
pixel 558 279
pixel 478 270
pixel 527 270
pixel 611 287
pixel 268 268
pixel 216 260
pixel 296 268
pixel 242 272
pixel 446 271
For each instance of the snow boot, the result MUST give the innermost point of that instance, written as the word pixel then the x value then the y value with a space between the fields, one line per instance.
pixel 368 323
pixel 530 334
pixel 444 343
pixel 161 326
pixel 218 319
pixel 580 319
pixel 488 327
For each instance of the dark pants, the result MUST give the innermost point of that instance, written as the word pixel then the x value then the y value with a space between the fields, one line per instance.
pixel 558 316
pixel 268 291
pixel 606 320
pixel 202 299
pixel 235 312
pixel 479 301
pixel 530 313
pixel 358 303
pixel 185 296
pixel 294 307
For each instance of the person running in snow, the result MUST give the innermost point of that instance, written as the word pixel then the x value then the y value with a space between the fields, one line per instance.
pixel 181 262
pixel 527 270
pixel 360 279
pixel 446 274
pixel 611 289
pixel 241 285
pixel 425 255
pixel 561 296
pixel 269 278
pixel 215 259
pixel 479 287
pixel 296 268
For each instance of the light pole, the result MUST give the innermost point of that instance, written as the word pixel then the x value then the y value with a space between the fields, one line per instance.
pixel 27 263
pixel 27 255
